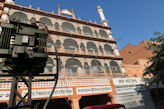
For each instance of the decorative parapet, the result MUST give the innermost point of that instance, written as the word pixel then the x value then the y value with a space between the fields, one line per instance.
pixel 22 8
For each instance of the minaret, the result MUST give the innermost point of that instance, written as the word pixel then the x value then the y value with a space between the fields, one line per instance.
pixel 100 11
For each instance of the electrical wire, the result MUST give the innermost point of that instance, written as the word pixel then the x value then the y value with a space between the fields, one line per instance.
pixel 57 69
pixel 56 76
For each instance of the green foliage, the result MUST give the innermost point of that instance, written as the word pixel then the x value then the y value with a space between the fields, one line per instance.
pixel 156 68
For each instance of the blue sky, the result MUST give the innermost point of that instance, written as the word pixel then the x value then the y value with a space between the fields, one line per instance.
pixel 132 21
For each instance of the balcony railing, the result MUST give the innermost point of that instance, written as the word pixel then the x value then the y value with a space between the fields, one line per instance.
pixel 80 52
pixel 120 75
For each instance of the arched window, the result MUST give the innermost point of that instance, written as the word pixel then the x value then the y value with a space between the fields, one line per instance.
pixel 115 67
pixel 106 68
pixel 45 20
pixel 87 31
pixel 91 47
pixel 49 65
pixel 96 33
pixel 101 49
pixel 49 44
pixel 73 66
pixel 86 67
pixel 33 20
pixel 103 33
pixel 82 46
pixel 78 30
pixel 19 16
pixel 56 25
pixel 58 44
pixel 108 49
pixel 70 44
pixel 61 66
pixel 68 27
pixel 96 66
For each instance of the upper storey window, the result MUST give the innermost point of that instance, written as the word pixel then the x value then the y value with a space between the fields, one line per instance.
pixel 87 31
pixel 101 49
pixel 49 44
pixel 58 44
pixel 61 66
pixel 115 67
pixel 96 66
pixel 108 49
pixel 56 25
pixel 78 30
pixel 46 21
pixel 73 66
pixel 96 33
pixel 19 16
pixel 82 46
pixel 49 65
pixel 68 27
pixel 106 67
pixel 33 20
pixel 86 67
pixel 70 44
pixel 103 33
pixel 91 47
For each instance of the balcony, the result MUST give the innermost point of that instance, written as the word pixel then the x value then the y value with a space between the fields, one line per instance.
pixel 80 53
pixel 120 75
pixel 81 36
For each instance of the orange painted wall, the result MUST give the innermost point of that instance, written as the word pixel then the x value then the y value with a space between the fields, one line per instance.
pixel 131 54
pixel 135 59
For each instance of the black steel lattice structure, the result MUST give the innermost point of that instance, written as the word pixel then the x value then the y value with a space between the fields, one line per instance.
pixel 24 52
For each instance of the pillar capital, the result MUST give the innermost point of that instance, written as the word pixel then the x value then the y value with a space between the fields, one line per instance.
pixel 74 98
pixel 75 102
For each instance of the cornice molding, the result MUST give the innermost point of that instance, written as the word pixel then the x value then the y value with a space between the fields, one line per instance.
pixel 80 36
pixel 31 10
pixel 86 56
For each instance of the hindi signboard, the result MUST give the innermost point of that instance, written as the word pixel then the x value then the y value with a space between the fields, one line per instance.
pixel 92 90
pixel 40 93
pixel 4 95
pixel 127 85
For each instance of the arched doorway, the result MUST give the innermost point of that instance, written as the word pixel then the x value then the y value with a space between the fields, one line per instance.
pixel 94 100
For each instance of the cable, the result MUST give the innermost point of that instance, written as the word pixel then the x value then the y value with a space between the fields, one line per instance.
pixel 56 76
pixel 57 69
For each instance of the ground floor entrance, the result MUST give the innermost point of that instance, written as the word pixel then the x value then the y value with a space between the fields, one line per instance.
pixel 62 103
pixel 3 105
pixel 94 100
pixel 140 100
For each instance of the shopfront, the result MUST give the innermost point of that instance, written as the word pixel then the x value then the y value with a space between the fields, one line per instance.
pixel 70 93
pixel 132 93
